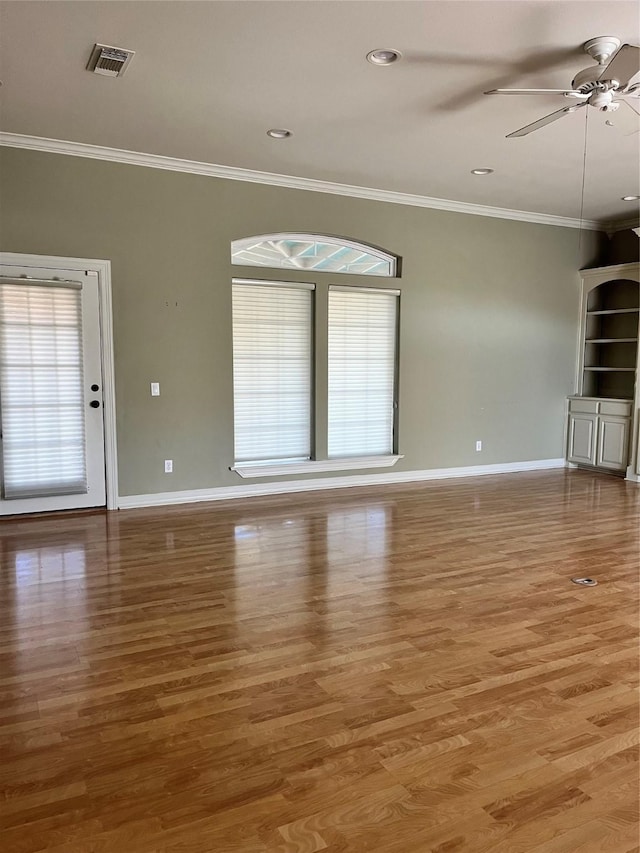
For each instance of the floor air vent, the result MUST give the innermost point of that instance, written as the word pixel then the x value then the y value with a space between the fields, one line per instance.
pixel 108 60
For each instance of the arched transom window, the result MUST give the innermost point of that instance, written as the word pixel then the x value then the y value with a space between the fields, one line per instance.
pixel 312 252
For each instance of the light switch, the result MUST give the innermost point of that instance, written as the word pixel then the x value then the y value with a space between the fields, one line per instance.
pixel 155 389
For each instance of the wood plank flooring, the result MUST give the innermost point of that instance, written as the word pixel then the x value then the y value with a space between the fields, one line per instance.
pixel 398 670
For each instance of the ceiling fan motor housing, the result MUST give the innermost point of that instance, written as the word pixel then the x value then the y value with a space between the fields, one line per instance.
pixel 588 81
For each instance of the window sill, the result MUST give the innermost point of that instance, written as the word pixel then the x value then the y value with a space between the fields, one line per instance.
pixel 351 463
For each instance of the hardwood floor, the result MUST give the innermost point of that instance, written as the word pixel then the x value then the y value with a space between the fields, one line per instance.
pixel 399 670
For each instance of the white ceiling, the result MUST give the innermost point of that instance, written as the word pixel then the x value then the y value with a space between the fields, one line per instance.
pixel 209 78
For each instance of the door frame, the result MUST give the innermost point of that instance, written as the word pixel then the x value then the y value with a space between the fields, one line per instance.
pixel 102 269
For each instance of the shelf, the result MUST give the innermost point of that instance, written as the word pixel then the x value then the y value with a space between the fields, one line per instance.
pixel 611 369
pixel 611 340
pixel 598 397
pixel 614 311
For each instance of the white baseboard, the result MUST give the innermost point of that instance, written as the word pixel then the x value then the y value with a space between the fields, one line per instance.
pixel 226 493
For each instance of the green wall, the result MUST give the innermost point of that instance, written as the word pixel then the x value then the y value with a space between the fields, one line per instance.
pixel 488 319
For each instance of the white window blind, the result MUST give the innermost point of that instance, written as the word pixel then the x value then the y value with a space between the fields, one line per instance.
pixel 41 390
pixel 272 361
pixel 362 368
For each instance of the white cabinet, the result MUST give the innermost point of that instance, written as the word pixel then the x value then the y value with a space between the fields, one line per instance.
pixel 598 432
pixel 613 443
pixel 602 427
pixel 582 446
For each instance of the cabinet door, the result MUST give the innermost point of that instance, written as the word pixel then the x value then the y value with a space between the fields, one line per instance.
pixel 582 438
pixel 613 442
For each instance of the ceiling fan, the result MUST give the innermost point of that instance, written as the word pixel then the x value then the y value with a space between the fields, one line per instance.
pixel 603 86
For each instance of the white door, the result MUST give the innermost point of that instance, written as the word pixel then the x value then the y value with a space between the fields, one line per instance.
pixel 51 399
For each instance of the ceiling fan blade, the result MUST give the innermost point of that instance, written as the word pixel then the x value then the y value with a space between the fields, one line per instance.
pixel 629 120
pixel 631 105
pixel 624 65
pixel 531 92
pixel 529 128
pixel 625 122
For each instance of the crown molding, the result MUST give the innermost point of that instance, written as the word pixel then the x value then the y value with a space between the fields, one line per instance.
pixel 620 225
pixel 233 173
pixel 613 271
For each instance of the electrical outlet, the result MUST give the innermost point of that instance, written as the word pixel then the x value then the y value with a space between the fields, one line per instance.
pixel 478 446
pixel 168 466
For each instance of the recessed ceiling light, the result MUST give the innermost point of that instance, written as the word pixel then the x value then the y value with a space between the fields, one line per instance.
pixel 631 198
pixel 384 56
pixel 279 133
pixel 482 171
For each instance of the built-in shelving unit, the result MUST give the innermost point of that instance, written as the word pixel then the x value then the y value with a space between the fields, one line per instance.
pixel 611 339
pixel 603 416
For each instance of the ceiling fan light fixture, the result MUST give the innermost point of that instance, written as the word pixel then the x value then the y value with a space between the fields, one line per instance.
pixel 482 171
pixel 279 133
pixel 383 56
pixel 602 100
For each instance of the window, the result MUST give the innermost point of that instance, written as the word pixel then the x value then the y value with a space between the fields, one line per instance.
pixel 314 364
pixel 272 333
pixel 41 389
pixel 312 252
pixel 362 365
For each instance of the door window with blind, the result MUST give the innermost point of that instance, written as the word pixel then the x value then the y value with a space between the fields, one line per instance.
pixel 314 363
pixel 41 390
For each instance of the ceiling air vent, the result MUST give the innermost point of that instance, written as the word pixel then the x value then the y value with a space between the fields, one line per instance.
pixel 108 60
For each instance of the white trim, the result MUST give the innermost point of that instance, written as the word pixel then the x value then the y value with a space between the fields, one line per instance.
pixel 174 164
pixel 620 225
pixel 609 273
pixel 103 271
pixel 248 471
pixel 226 493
